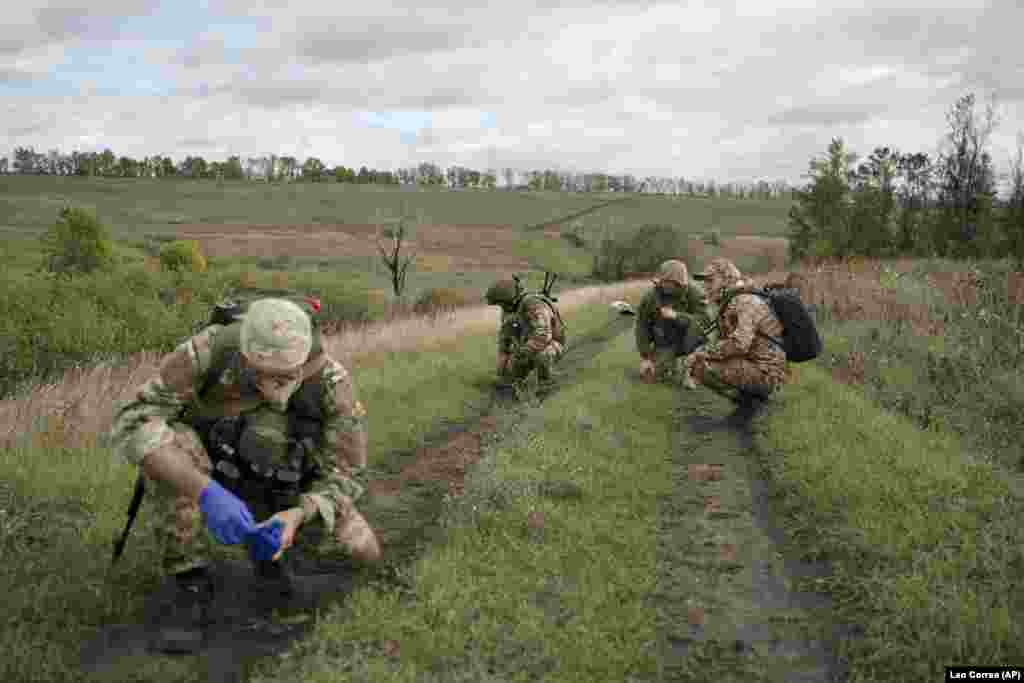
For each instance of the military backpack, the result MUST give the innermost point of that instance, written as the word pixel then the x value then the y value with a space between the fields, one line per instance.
pixel 800 339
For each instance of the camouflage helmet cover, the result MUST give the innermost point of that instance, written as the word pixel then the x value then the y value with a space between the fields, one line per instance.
pixel 276 335
pixel 721 267
pixel 721 275
pixel 673 271
pixel 502 292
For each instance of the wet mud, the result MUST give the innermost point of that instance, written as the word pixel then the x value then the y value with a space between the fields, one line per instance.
pixel 250 623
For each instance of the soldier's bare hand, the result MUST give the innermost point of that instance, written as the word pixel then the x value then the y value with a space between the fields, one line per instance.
pixel 668 313
pixel 647 370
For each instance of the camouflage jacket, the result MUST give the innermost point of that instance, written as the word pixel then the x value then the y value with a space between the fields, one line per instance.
pixel 531 328
pixel 166 398
pixel 690 304
pixel 744 326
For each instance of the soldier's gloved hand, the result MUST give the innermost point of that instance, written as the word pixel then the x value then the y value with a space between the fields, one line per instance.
pixel 265 541
pixel 647 370
pixel 503 361
pixel 227 517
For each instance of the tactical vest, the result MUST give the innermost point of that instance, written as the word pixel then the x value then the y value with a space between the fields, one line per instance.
pixel 221 434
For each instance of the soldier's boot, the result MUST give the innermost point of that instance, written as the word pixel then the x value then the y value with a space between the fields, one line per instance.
pixel 355 535
pixel 275 576
pixel 751 399
pixel 184 619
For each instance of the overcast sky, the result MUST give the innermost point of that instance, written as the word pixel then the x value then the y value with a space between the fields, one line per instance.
pixel 728 90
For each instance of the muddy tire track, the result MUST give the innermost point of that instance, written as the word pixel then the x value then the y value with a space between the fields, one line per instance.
pixel 249 624
pixel 727 604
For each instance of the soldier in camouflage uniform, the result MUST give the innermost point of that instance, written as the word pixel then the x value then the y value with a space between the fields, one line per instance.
pixel 670 320
pixel 273 376
pixel 745 363
pixel 531 336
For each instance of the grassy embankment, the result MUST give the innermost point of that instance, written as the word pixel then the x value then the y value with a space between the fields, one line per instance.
pixel 63 497
pixel 898 457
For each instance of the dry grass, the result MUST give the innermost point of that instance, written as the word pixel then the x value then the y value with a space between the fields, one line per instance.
pixel 853 291
pixel 72 412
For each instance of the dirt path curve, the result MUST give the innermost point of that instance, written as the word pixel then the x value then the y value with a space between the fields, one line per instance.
pixel 726 605
pixel 249 625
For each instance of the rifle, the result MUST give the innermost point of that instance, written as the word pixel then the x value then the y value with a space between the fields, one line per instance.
pixel 133 510
pixel 549 283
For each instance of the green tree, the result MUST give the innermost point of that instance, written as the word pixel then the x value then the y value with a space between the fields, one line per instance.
pixel 233 168
pixel 1013 217
pixel 872 214
pixel 312 169
pixel 967 184
pixel 917 172
pixel 819 220
pixel 77 243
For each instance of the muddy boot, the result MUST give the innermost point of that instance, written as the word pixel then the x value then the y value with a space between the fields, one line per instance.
pixel 354 533
pixel 182 623
pixel 274 577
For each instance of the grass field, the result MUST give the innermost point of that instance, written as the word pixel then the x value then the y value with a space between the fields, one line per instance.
pixel 582 538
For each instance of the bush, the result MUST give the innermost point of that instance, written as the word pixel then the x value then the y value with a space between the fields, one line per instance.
pixel 643 252
pixel 438 300
pixel 182 256
pixel 78 243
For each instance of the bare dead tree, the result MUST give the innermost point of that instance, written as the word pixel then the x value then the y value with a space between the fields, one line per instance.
pixel 399 255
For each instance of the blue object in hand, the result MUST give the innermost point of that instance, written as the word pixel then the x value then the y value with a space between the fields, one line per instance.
pixel 265 541
pixel 227 517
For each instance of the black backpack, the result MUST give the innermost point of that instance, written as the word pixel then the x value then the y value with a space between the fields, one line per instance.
pixel 800 339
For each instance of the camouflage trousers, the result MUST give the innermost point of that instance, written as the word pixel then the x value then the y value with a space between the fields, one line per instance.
pixel 523 363
pixel 667 366
pixel 735 376
pixel 182 536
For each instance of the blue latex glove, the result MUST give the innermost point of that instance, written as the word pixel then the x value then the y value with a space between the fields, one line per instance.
pixel 265 541
pixel 227 517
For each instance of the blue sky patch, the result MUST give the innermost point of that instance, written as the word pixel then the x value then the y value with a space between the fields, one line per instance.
pixel 408 122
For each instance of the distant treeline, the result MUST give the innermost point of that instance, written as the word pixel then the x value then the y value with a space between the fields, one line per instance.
pixel 895 203
pixel 273 168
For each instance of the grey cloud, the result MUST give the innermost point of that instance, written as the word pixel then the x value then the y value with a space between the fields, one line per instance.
pixel 371 46
pixel 196 143
pixel 823 115
pixel 93 20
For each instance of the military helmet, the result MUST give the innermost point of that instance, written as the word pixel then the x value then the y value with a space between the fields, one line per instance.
pixel 723 268
pixel 276 335
pixel 673 271
pixel 502 292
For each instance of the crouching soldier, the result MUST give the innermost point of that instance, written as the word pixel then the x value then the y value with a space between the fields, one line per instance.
pixel 670 322
pixel 247 417
pixel 747 363
pixel 532 332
